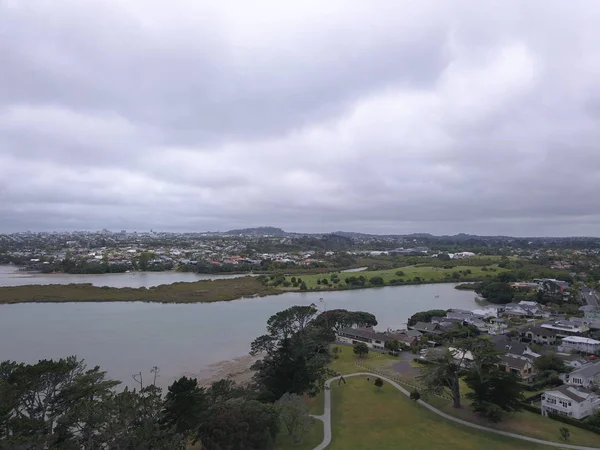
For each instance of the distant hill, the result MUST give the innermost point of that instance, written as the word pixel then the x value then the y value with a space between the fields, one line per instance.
pixel 258 231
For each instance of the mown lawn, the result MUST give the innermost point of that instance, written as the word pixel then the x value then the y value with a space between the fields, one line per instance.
pixel 366 418
pixel 424 273
pixel 525 422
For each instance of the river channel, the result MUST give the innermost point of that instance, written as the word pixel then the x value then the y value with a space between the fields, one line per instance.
pixel 125 338
pixel 12 276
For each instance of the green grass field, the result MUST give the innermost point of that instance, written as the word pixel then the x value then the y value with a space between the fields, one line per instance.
pixel 426 273
pixel 525 422
pixel 365 418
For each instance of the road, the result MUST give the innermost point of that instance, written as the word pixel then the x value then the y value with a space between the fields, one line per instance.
pixel 590 296
pixel 326 418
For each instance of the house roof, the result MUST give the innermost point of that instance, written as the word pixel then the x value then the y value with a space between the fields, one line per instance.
pixel 413 333
pixel 513 347
pixel 426 327
pixel 366 333
pixel 541 331
pixel 580 340
pixel 587 371
pixel 514 362
pixel 576 393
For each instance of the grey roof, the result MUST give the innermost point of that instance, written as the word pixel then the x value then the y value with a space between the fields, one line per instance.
pixel 425 327
pixel 514 347
pixel 365 333
pixel 513 361
pixel 587 371
pixel 413 333
pixel 541 331
pixel 576 393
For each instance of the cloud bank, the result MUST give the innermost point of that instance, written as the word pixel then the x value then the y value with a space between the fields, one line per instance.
pixel 394 117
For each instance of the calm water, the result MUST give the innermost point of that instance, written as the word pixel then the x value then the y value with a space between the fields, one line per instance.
pixel 126 338
pixel 12 276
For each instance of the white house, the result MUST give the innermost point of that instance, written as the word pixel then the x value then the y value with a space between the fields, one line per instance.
pixel 580 344
pixel 573 401
pixel 587 375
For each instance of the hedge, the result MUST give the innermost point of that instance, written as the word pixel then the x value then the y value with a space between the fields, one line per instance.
pixel 533 398
pixel 533 409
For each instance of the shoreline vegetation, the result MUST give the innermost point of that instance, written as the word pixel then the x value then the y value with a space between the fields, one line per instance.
pixel 469 273
pixel 241 287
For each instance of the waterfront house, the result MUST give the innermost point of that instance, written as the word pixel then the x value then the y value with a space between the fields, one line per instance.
pixel 372 338
pixel 572 401
pixel 427 328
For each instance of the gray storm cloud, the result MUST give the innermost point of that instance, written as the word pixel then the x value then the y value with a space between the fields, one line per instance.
pixel 314 116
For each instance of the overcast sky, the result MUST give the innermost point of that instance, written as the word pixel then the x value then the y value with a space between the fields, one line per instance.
pixel 314 116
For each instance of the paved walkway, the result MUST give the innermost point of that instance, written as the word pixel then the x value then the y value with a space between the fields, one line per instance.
pixel 326 418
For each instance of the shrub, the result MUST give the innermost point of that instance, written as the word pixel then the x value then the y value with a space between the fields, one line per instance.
pixel 399 273
pixel 415 395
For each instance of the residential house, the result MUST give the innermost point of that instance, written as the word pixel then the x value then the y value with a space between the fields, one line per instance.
pixel 564 328
pixel 587 376
pixel 520 365
pixel 573 401
pixel 540 335
pixel 515 348
pixel 580 344
pixel 427 328
pixel 413 334
pixel 372 338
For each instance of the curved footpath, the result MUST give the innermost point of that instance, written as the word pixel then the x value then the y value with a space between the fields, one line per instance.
pixel 326 418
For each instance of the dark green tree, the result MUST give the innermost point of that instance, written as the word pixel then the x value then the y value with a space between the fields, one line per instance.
pixel 295 354
pixel 185 405
pixel 492 391
pixel 240 424
pixel 361 349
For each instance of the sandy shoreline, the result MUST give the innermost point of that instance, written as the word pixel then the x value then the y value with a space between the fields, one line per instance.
pixel 236 369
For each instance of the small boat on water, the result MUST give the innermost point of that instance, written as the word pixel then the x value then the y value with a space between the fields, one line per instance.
pixel 436 295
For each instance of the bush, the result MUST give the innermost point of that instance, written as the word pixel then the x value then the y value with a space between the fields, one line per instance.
pixel 286 284
pixel 415 395
pixel 376 281
pixel 399 273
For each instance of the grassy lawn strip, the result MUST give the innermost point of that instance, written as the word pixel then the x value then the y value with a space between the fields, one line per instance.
pixel 425 273
pixel 365 418
pixel 199 291
pixel 525 422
